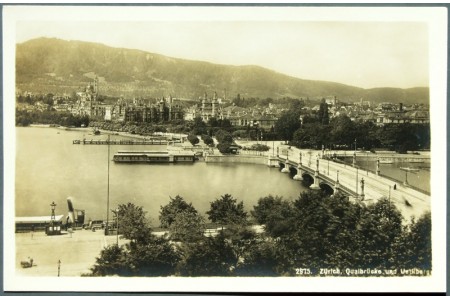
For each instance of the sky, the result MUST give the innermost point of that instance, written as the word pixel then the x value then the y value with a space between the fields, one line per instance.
pixel 363 54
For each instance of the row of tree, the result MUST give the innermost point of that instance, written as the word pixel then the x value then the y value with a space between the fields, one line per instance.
pixel 299 238
pixel 316 131
pixel 25 118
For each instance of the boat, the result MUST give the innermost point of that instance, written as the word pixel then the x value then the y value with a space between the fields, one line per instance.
pixel 407 169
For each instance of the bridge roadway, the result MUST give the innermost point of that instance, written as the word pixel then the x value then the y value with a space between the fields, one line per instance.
pixel 409 201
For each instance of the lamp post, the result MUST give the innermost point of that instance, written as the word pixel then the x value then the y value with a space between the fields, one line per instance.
pixel 59 266
pixel 117 226
pixel 378 165
pixel 362 189
pixel 336 185
pixel 52 218
pixel 317 163
pixel 328 173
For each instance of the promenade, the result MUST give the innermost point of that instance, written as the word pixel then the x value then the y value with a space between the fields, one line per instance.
pixel 76 251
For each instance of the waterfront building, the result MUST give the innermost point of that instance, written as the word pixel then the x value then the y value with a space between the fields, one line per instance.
pixel 163 110
pixel 210 108
pixel 38 223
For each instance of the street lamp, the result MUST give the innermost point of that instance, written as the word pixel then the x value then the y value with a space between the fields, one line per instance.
pixel 328 173
pixel 52 218
pixel 362 189
pixel 378 166
pixel 117 225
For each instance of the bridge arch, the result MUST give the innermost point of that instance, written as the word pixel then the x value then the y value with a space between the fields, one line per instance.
pixel 327 188
pixel 307 179
pixel 292 171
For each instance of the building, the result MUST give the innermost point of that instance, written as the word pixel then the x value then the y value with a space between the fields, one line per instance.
pixel 210 108
pixel 41 223
pixel 163 110
pixel 87 104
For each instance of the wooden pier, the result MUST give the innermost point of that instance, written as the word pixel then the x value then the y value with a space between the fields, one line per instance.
pixel 119 142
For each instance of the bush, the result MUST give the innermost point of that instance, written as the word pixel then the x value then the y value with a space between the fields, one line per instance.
pixel 259 147
pixel 208 140
pixel 193 139
pixel 224 148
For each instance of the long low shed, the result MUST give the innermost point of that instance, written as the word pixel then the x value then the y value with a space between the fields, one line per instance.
pixel 38 223
pixel 154 156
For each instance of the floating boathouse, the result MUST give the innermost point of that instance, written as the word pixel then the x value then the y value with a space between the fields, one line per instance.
pixel 129 156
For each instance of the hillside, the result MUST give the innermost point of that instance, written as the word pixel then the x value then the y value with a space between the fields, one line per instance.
pixel 52 65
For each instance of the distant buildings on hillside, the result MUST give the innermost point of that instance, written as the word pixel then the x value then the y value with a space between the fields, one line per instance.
pixel 87 102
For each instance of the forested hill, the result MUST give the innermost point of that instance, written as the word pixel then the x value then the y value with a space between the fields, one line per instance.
pixel 47 65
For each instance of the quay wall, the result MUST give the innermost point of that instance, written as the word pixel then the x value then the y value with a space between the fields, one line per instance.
pixel 249 159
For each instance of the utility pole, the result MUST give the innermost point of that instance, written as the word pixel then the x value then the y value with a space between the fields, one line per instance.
pixel 107 193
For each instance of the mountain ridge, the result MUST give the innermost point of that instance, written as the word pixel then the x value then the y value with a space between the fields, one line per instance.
pixel 56 65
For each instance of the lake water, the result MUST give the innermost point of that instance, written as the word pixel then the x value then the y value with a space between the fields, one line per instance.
pixel 419 179
pixel 50 168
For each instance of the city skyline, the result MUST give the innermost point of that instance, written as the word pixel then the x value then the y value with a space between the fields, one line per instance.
pixel 363 54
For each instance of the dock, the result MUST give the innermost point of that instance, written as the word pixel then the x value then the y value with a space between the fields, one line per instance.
pixel 119 142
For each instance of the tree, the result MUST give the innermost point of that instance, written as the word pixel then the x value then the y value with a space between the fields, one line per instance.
pixel 322 114
pixel 111 262
pixel 208 140
pixel 226 211
pixel 287 124
pixel 213 122
pixel 193 139
pixel 212 256
pixel 414 250
pixel 156 257
pixel 380 227
pixel 177 205
pixel 199 127
pixel 133 223
pixel 280 218
pixel 311 135
pixel 259 260
pixel 224 137
pixel 265 206
pixel 342 131
pixel 188 226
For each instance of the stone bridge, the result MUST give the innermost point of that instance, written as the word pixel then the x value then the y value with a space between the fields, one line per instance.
pixel 360 185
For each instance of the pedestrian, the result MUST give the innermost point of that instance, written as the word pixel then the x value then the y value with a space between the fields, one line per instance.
pixel 31 262
pixel 395 186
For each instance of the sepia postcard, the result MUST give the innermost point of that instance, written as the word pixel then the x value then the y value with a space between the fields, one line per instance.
pixel 224 149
